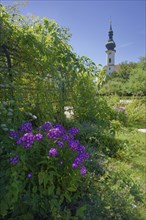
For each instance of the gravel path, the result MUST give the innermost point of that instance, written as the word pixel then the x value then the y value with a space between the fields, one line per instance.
pixel 142 130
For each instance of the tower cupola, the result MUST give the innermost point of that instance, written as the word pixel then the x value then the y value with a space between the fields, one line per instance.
pixel 110 45
pixel 110 52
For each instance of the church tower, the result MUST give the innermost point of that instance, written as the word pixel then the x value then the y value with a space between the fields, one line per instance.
pixel 110 57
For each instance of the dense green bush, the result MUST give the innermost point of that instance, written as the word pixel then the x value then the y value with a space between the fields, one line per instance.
pixel 98 137
pixel 114 196
pixel 136 111
pixel 41 173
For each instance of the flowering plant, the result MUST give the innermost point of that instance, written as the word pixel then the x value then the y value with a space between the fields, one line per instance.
pixel 50 162
pixel 59 137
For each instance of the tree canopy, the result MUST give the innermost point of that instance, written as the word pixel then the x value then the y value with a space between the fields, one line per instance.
pixel 129 80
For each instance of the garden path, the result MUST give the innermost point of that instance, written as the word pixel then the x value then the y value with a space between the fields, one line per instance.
pixel 142 130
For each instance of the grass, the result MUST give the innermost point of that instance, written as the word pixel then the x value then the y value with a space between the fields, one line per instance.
pixel 133 153
pixel 121 189
pixel 131 158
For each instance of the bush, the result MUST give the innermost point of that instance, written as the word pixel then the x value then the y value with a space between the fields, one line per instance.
pixel 99 138
pixel 41 172
pixel 114 196
pixel 136 111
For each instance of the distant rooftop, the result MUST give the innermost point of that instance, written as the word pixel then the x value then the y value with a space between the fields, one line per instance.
pixel 117 68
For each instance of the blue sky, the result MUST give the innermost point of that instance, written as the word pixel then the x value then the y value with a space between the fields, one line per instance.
pixel 88 22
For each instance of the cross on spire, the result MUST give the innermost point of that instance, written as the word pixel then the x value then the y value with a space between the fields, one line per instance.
pixel 110 24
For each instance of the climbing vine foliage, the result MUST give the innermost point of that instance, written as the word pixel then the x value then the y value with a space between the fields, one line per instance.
pixel 39 70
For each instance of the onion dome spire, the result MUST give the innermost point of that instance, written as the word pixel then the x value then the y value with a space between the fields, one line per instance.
pixel 110 45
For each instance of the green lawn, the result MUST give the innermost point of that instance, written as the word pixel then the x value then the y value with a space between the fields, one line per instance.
pixel 121 189
pixel 131 158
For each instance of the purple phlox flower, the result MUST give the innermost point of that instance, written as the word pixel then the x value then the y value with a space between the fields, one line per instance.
pixel 46 126
pixel 74 131
pixel 60 127
pixel 18 141
pixel 26 127
pixel 60 143
pixel 86 156
pixel 81 149
pixel 29 175
pixel 14 134
pixel 27 140
pixel 78 160
pixel 83 170
pixel 54 133
pixel 74 144
pixel 14 160
pixel 38 137
pixel 75 165
pixel 65 137
pixel 53 152
pixel 83 156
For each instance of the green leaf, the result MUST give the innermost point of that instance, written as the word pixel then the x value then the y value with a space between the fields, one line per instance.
pixel 43 162
pixel 40 176
pixel 72 189
pixel 80 211
pixel 34 189
pixel 3 207
pixel 51 190
pixel 45 179
pixel 67 196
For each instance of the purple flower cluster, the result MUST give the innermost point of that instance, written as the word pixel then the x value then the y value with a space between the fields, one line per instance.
pixel 38 137
pixel 65 137
pixel 54 133
pixel 53 152
pixel 14 160
pixel 58 135
pixel 60 143
pixel 61 128
pixel 27 140
pixel 81 149
pixel 74 144
pixel 14 134
pixel 81 157
pixel 83 170
pixel 46 126
pixel 26 127
pixel 74 131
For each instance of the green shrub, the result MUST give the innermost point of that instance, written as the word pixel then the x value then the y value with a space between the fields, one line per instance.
pixel 41 171
pixel 114 196
pixel 99 138
pixel 136 111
